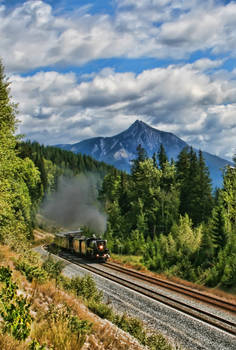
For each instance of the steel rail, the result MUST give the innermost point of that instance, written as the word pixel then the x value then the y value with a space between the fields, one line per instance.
pixel 226 305
pixel 190 310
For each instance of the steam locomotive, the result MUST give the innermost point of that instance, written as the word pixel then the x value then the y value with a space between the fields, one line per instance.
pixel 91 248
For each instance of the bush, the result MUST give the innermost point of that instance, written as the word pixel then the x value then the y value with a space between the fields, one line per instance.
pixel 86 288
pixel 53 268
pixel 102 310
pixel 14 309
pixel 62 328
pixel 131 325
pixel 34 345
pixel 157 342
pixel 32 272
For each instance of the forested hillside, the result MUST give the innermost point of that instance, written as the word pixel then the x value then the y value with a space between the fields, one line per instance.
pixel 29 171
pixel 167 213
pixel 19 178
pixel 53 163
pixel 164 211
pixel 39 307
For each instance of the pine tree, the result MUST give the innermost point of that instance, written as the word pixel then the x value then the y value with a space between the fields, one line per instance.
pixel 204 192
pixel 7 108
pixel 195 186
pixel 218 229
pixel 18 178
pixel 141 156
pixel 162 157
pixel 228 195
pixel 182 174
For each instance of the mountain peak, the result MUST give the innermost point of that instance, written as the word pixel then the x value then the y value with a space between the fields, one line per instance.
pixel 138 128
pixel 119 150
pixel 139 124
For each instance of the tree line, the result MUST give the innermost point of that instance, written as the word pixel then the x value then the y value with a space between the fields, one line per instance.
pixel 163 210
pixel 166 212
pixel 29 171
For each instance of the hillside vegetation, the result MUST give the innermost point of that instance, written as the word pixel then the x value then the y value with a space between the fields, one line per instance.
pixel 40 309
pixel 166 212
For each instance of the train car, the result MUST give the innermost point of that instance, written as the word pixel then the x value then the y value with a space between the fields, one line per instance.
pixel 64 240
pixel 91 248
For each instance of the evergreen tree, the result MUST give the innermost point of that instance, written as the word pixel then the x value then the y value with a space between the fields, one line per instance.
pixel 228 195
pixel 204 192
pixel 162 157
pixel 182 174
pixel 218 229
pixel 18 178
pixel 141 157
pixel 195 186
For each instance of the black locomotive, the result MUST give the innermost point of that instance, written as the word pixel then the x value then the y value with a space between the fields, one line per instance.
pixel 91 248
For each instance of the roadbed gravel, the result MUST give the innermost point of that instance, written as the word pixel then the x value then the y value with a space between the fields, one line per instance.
pixel 176 326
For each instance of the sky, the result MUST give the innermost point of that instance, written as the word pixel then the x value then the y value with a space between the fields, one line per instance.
pixel 81 69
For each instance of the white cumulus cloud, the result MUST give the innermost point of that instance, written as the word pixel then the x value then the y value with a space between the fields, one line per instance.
pixel 55 108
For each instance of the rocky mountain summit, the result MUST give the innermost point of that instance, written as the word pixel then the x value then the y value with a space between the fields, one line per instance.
pixel 120 149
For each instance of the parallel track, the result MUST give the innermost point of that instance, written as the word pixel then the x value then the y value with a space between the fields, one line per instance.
pixel 215 301
pixel 202 315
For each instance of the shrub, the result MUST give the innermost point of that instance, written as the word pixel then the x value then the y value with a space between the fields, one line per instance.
pixel 86 288
pixel 62 328
pixel 131 325
pixel 34 345
pixel 157 342
pixel 53 268
pixel 102 310
pixel 14 309
pixel 32 272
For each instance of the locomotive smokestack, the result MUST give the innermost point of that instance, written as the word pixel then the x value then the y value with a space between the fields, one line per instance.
pixel 75 204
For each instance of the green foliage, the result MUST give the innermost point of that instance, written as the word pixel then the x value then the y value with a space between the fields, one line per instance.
pixel 31 271
pixel 34 345
pixel 223 233
pixel 18 178
pixel 53 162
pixel 162 157
pixel 157 342
pixel 132 325
pixel 195 186
pixel 53 268
pixel 218 229
pixel 86 288
pixel 63 314
pixel 165 212
pixel 101 309
pixel 14 309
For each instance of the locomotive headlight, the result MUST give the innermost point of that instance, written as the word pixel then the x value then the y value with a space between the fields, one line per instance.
pixel 100 247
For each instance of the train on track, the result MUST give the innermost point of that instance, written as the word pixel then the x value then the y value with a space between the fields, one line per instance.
pixel 91 248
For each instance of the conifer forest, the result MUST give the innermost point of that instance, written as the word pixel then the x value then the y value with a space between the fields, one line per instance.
pixel 165 211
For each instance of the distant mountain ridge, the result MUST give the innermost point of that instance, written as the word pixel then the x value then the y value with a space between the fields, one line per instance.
pixel 120 149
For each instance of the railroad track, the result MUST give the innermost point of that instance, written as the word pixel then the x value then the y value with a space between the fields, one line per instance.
pixel 200 296
pixel 193 311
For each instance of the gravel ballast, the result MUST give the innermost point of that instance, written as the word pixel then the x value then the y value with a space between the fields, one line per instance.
pixel 178 327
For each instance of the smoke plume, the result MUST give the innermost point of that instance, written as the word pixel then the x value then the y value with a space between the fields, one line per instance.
pixel 75 204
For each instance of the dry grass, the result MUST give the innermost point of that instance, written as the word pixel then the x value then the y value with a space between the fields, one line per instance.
pixel 42 237
pixel 111 338
pixel 7 256
pixel 9 343
pixel 104 335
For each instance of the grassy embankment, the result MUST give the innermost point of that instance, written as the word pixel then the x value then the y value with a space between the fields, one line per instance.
pixel 58 315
